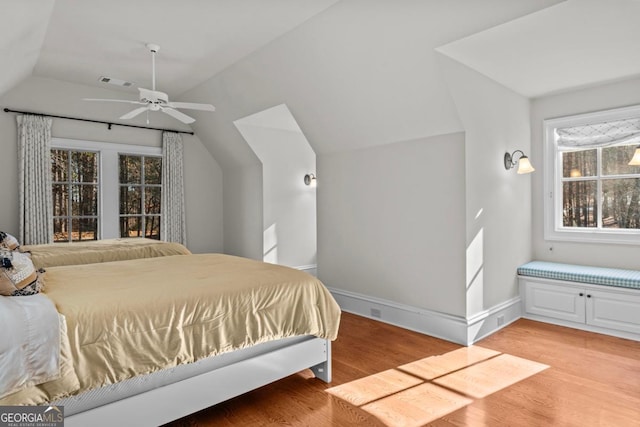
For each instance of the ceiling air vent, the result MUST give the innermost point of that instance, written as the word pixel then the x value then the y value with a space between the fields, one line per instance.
pixel 116 82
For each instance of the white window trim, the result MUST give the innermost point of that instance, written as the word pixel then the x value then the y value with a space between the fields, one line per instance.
pixel 553 229
pixel 109 183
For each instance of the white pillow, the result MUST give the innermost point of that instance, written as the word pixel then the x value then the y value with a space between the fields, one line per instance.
pixel 7 241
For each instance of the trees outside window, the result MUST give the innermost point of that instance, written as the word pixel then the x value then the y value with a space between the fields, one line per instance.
pixel 75 190
pixel 105 190
pixel 593 192
pixel 140 180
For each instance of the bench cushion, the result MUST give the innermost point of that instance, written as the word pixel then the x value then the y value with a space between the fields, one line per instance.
pixel 581 273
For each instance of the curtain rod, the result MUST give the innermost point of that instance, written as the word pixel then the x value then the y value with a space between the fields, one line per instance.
pixel 109 124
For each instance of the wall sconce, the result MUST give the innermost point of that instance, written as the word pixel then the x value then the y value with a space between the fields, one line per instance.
pixel 310 179
pixel 635 160
pixel 524 165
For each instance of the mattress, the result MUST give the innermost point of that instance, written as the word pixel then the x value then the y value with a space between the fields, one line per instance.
pixel 58 254
pixel 131 318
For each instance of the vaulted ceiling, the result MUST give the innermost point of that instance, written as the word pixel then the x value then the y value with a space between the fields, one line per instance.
pixel 354 73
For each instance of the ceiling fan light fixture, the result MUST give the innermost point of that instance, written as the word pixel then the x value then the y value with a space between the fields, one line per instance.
pixel 155 100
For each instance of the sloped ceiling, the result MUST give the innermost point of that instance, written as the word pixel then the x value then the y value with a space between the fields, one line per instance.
pixel 79 41
pixel 354 73
pixel 23 25
pixel 573 44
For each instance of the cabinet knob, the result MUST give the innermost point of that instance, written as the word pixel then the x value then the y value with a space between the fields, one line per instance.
pixel 581 294
pixel 588 296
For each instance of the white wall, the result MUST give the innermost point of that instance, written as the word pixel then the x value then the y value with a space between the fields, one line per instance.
pixel 607 96
pixel 289 206
pixel 203 176
pixel 360 74
pixel 498 202
pixel 391 221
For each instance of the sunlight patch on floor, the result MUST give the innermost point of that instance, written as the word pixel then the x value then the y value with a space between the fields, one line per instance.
pixel 416 406
pixel 436 366
pixel 374 387
pixel 493 375
pixel 423 391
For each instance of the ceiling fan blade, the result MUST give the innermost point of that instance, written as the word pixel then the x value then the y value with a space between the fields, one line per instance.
pixel 115 100
pixel 178 115
pixel 192 106
pixel 132 114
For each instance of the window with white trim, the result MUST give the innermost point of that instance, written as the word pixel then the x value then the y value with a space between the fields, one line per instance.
pixel 75 191
pixel 140 194
pixel 591 191
pixel 88 192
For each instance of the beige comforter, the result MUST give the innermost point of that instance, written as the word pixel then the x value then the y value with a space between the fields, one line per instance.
pixel 134 317
pixel 57 254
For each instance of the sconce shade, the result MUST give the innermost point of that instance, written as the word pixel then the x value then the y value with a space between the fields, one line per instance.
pixel 635 160
pixel 524 165
pixel 310 179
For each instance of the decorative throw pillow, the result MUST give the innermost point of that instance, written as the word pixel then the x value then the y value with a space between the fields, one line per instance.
pixel 18 276
pixel 7 241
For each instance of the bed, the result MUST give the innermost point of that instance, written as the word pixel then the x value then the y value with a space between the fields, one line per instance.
pixel 96 251
pixel 150 340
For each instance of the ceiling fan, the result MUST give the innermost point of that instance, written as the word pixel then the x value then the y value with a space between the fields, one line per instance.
pixel 154 100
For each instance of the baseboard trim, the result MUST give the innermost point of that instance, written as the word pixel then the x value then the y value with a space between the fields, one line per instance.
pixel 311 269
pixel 457 329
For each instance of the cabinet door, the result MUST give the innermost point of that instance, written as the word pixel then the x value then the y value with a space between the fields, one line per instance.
pixel 555 301
pixel 614 310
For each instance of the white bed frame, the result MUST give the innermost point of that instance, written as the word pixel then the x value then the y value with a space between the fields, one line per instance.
pixel 167 403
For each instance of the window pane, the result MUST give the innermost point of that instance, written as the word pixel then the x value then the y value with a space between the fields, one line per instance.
pixel 130 200
pixel 621 203
pixel 579 163
pixel 84 167
pixel 59 165
pixel 152 200
pixel 152 227
pixel 60 230
pixel 130 169
pixel 130 227
pixel 84 200
pixel 88 229
pixel 579 204
pixel 153 170
pixel 60 199
pixel 615 160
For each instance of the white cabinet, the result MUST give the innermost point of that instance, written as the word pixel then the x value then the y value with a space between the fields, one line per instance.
pixel 609 310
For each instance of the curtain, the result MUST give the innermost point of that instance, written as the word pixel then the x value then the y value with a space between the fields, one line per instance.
pixel 617 132
pixel 34 179
pixel 173 228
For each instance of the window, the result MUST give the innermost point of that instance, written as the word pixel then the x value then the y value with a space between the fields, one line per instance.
pixel 593 193
pixel 140 193
pixel 105 190
pixel 75 189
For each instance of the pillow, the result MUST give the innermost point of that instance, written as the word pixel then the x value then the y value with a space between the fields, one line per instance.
pixel 7 241
pixel 18 276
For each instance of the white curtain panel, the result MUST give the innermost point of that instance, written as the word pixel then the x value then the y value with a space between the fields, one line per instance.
pixel 173 227
pixel 34 162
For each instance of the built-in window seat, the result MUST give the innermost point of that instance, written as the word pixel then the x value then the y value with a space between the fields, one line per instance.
pixel 604 300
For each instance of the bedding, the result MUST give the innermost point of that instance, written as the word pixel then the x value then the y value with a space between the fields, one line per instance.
pixel 8 242
pixel 129 318
pixel 18 276
pixel 95 251
pixel 34 348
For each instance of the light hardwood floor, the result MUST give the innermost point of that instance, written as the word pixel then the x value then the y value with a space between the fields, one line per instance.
pixel 591 380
